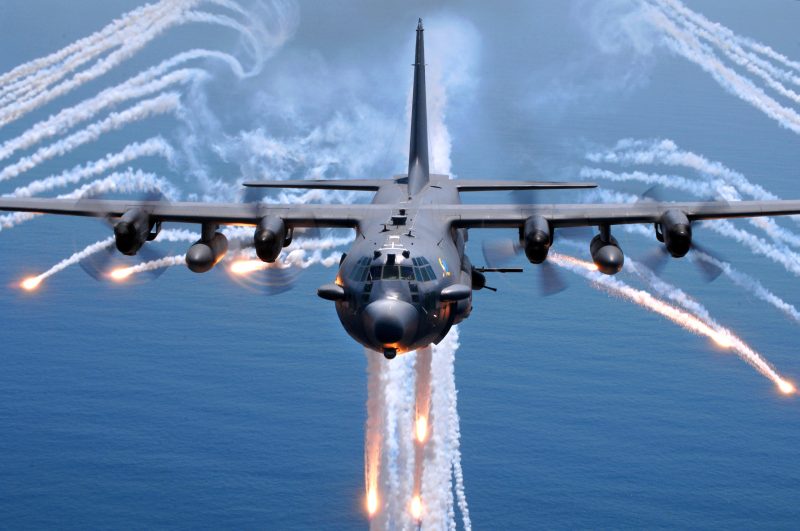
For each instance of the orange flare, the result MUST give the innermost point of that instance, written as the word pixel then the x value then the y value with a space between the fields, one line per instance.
pixel 372 501
pixel 243 267
pixel 421 428
pixel 786 387
pixel 30 283
pixel 121 273
pixel 416 508
pixel 723 340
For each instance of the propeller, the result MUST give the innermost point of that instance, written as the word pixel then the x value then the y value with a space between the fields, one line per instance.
pixel 267 278
pixel 534 197
pixel 497 253
pixel 101 264
pixel 657 259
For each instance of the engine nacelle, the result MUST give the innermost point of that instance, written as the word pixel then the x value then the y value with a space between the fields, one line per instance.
pixel 270 237
pixel 204 255
pixel 537 237
pixel 131 231
pixel 607 255
pixel 676 232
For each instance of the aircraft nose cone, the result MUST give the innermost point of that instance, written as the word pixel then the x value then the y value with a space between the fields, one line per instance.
pixel 391 321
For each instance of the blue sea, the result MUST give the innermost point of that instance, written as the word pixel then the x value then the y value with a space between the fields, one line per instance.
pixel 191 403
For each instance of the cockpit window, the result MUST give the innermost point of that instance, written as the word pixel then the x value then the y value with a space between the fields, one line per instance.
pixel 407 272
pixel 421 271
pixel 361 270
pixel 391 272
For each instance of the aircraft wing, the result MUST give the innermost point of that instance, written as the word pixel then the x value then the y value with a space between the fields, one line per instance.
pixel 350 216
pixel 580 215
pixel 308 215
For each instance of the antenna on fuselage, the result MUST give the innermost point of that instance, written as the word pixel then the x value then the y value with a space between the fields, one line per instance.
pixel 418 170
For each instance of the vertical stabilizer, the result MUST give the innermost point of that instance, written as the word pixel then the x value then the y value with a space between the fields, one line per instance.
pixel 418 171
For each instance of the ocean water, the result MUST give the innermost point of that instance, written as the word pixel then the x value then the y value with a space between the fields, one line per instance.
pixel 189 402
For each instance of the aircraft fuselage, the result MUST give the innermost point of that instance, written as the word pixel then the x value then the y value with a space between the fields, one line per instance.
pixel 396 269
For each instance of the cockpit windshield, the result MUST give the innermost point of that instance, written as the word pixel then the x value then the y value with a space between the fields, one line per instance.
pixel 420 270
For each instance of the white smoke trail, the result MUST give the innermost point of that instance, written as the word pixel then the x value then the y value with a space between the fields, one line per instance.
pixel 74 55
pixel 67 118
pixel 398 447
pixel 749 61
pixel 437 490
pixel 666 152
pixel 171 235
pixel 731 44
pixel 33 282
pixel 297 254
pixel 165 103
pixel 450 343
pixel 132 45
pixel 780 255
pixel 152 265
pixel 750 284
pixel 689 46
pixel 765 50
pixel 151 147
pixel 150 81
pixel 689 321
pixel 373 440
pixel 630 151
pixel 140 34
pixel 118 182
pixel 716 188
pixel 739 278
pixel 422 422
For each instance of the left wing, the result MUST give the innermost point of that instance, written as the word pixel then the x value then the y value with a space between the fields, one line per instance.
pixel 588 215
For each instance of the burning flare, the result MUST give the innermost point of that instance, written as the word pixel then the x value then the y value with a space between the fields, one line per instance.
pixel 120 274
pixel 421 428
pixel 786 387
pixel 721 336
pixel 372 501
pixel 31 283
pixel 244 267
pixel 416 508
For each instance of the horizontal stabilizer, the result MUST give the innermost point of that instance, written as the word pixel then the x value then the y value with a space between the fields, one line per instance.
pixel 366 185
pixel 488 185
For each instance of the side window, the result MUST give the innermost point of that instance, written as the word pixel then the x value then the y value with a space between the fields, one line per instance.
pixel 361 270
pixel 426 276
pixel 375 272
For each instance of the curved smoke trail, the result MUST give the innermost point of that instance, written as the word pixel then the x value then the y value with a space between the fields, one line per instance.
pixel 685 42
pixel 165 103
pixel 76 54
pixel 716 188
pixel 151 147
pixel 118 182
pixel 697 324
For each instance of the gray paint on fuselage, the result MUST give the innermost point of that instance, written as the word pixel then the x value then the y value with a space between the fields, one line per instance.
pixel 422 234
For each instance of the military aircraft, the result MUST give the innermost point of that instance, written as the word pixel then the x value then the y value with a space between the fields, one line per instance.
pixel 406 280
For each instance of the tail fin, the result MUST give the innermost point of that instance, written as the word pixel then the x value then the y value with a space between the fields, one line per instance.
pixel 418 170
